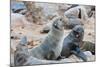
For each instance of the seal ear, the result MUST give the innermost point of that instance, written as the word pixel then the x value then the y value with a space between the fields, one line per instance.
pixel 23 41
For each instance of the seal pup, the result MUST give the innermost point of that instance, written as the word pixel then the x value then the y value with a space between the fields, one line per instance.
pixel 51 47
pixel 21 52
pixel 22 55
pixel 72 42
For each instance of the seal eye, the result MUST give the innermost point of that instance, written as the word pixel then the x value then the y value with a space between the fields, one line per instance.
pixel 60 19
pixel 55 25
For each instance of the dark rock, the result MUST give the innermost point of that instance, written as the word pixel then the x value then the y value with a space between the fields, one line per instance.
pixel 88 46
pixel 45 29
pixel 17 7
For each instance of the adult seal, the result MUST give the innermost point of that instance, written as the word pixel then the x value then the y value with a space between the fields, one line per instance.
pixel 51 47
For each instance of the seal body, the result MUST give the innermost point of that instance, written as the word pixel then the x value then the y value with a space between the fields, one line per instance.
pixel 21 54
pixel 72 42
pixel 51 48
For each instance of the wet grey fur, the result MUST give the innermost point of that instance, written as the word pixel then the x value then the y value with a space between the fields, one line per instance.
pixel 51 48
pixel 21 52
pixel 22 55
pixel 71 43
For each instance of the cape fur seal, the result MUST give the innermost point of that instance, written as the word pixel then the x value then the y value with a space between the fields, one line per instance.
pixel 51 48
pixel 72 42
pixel 22 55
pixel 21 52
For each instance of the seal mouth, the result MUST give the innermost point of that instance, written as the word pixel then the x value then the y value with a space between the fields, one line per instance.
pixel 77 34
pixel 58 24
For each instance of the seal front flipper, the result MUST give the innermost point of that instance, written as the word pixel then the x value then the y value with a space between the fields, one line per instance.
pixel 50 55
pixel 82 56
pixel 79 54
pixel 61 57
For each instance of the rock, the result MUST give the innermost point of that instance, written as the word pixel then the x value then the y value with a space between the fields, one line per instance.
pixel 23 12
pixel 78 12
pixel 17 6
pixel 74 58
pixel 14 37
pixel 18 20
pixel 90 11
pixel 88 46
pixel 89 34
pixel 68 60
pixel 76 16
pixel 46 28
pixel 72 22
pixel 89 55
